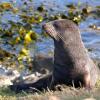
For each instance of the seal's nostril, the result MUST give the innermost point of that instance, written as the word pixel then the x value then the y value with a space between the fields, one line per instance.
pixel 44 26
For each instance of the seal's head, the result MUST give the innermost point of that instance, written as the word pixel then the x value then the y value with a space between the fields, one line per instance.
pixel 50 29
pixel 62 27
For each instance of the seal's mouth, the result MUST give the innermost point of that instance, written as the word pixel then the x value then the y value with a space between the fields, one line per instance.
pixel 47 28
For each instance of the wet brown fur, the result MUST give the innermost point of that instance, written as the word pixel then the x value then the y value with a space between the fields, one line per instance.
pixel 72 64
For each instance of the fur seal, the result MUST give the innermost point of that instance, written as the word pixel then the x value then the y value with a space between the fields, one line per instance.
pixel 72 64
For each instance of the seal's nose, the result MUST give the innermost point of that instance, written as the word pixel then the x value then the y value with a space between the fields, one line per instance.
pixel 44 26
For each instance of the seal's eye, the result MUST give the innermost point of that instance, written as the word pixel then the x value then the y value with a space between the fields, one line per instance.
pixel 56 25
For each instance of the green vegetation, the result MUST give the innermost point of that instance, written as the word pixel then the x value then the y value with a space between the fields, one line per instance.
pixel 68 93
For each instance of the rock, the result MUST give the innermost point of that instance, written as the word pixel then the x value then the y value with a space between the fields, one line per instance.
pixel 2 70
pixel 7 76
pixel 30 78
pixel 25 72
pixel 11 72
pixel 13 75
pixel 27 78
pixel 5 81
pixel 42 66
pixel 38 74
